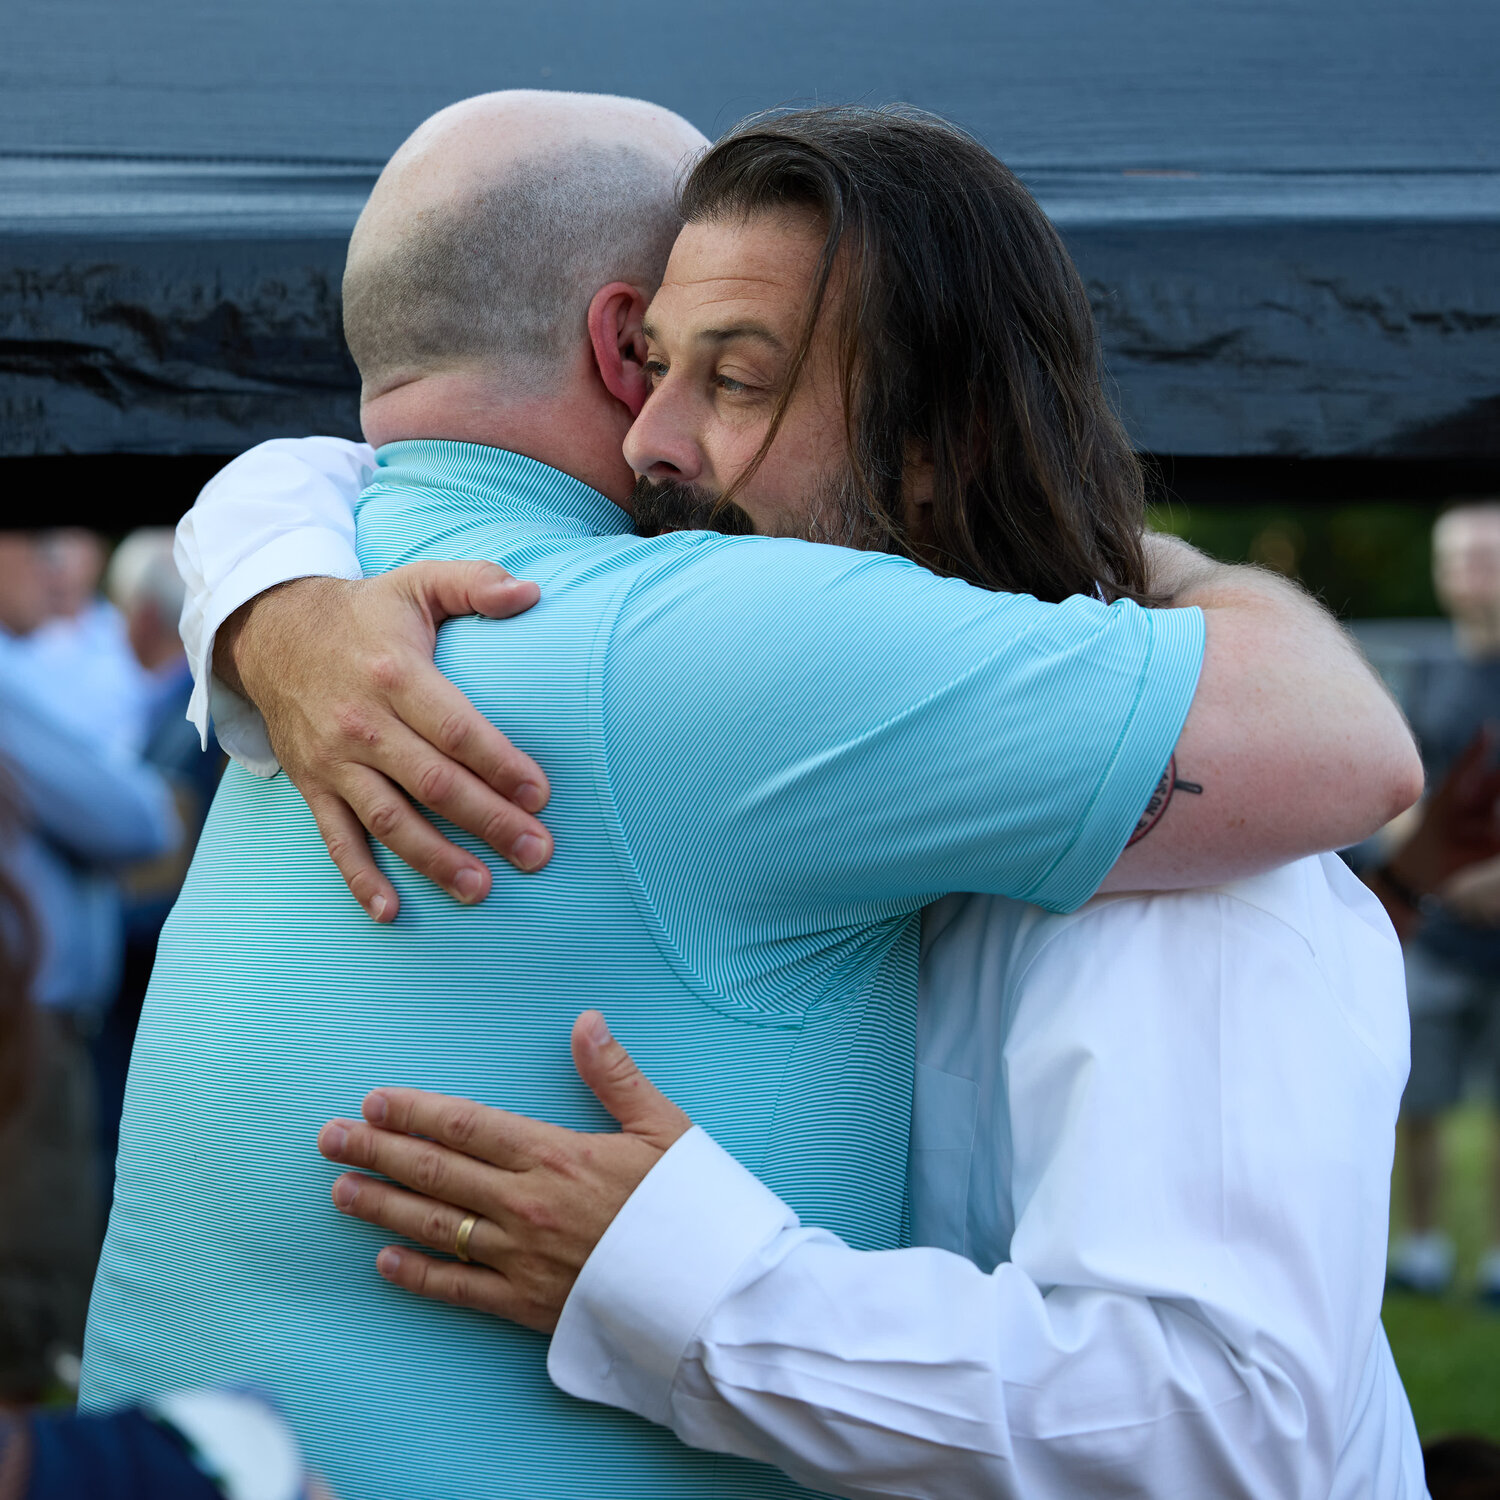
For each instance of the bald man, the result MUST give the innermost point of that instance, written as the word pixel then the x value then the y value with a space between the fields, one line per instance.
pixel 713 713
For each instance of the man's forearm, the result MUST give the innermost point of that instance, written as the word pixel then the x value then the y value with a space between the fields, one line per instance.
pixel 1293 740
pixel 283 510
pixel 226 667
pixel 252 631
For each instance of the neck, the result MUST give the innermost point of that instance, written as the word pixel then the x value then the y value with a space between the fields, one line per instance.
pixel 564 430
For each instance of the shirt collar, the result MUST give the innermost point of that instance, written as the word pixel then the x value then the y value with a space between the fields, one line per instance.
pixel 500 482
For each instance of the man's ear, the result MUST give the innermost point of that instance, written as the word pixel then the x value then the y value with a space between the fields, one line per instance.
pixel 615 317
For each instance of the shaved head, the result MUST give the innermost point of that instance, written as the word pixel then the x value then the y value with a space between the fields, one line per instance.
pixel 496 222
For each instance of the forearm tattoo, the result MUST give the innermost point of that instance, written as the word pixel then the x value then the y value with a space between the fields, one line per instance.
pixel 1161 798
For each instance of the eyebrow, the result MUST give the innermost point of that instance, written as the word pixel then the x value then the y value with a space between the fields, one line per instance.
pixel 754 331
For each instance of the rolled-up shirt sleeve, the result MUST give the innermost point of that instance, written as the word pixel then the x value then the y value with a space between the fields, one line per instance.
pixel 283 510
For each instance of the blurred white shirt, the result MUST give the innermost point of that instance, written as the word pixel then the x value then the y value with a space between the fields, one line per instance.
pixel 84 807
pixel 91 677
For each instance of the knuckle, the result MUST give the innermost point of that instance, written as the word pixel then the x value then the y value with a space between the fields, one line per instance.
pixel 434 1230
pixel 352 725
pixel 386 672
pixel 342 848
pixel 365 887
pixel 621 1066
pixel 429 1173
pixel 498 826
pixel 359 1153
pixel 453 733
pixel 435 782
pixel 458 1127
pixel 533 1212
pixel 555 1158
pixel 383 819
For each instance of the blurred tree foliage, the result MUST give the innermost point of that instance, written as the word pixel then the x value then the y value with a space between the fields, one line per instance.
pixel 1366 561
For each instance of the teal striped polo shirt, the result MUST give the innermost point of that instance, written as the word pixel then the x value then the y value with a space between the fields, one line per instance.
pixel 766 757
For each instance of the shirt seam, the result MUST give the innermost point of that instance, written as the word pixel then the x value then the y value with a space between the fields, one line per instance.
pixel 705 992
pixel 1084 822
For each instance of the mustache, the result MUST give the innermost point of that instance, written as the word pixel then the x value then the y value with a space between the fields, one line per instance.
pixel 663 505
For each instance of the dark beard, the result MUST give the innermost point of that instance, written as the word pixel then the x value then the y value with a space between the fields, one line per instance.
pixel 663 505
pixel 838 514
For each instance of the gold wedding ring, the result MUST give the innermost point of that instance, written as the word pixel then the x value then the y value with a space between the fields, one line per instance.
pixel 461 1244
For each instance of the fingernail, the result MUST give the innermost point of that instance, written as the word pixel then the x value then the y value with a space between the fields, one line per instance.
pixel 469 884
pixel 530 797
pixel 335 1139
pixel 377 907
pixel 388 1263
pixel 528 851
pixel 376 1109
pixel 596 1030
pixel 345 1191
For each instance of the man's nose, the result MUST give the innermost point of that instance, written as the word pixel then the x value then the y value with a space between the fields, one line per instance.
pixel 662 442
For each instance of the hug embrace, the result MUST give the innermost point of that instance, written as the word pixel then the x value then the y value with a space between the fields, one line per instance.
pixel 868 1006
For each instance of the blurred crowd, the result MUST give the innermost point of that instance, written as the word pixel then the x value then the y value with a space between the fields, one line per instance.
pixel 1437 871
pixel 103 788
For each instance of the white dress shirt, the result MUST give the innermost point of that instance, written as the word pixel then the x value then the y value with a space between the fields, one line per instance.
pixel 281 511
pixel 1151 1154
pixel 1163 1126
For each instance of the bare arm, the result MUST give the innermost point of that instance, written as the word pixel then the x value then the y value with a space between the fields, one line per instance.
pixel 1292 744
pixel 1292 741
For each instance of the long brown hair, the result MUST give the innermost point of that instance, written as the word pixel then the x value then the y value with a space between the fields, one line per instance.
pixel 966 341
pixel 20 951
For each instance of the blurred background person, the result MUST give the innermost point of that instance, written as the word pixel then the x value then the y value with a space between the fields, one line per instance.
pixel 83 657
pixel 193 1445
pixel 76 810
pixel 142 585
pixel 1452 950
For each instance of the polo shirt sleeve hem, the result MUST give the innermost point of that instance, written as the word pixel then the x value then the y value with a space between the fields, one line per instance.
pixel 660 1269
pixel 1168 680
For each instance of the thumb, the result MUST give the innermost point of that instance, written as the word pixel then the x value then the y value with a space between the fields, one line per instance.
pixel 640 1107
pixel 446 589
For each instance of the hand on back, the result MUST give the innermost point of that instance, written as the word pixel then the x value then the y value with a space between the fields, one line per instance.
pixel 362 721
pixel 521 1203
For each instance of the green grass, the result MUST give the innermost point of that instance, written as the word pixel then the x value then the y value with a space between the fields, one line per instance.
pixel 1448 1353
pixel 1448 1350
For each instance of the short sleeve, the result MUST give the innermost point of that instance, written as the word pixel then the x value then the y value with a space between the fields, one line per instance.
pixel 817 737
